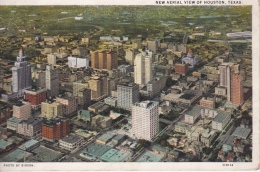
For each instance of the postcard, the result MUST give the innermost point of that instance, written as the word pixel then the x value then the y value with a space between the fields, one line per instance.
pixel 154 85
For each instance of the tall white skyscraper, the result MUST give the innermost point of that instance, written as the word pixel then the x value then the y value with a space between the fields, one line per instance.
pixel 21 75
pixel 52 81
pixel 145 120
pixel 143 68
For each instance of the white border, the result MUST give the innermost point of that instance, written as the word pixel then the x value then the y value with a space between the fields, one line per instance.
pixel 201 166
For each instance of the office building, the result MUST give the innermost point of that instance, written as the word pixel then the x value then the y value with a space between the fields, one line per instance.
pixel 181 68
pixel 153 45
pixel 143 72
pixel 35 96
pixel 21 75
pixel 145 120
pixel 69 104
pixel 71 142
pixel 237 91
pixel 52 81
pixel 104 59
pixel 22 110
pixel 55 129
pixel 30 127
pixel 190 59
pixel 127 95
pixel 130 56
pixel 51 59
pixel 77 62
pixel 98 87
pixel 221 120
pixel 51 109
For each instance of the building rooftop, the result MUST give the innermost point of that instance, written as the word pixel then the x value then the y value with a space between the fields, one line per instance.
pixel 221 117
pixel 160 148
pixel 105 137
pixel 114 155
pixel 84 114
pixel 4 144
pixel 15 156
pixel 193 111
pixel 146 104
pixel 31 121
pixel 85 133
pixel 44 154
pixel 71 138
pixel 95 150
pixel 242 132
pixel 28 144
pixel 97 105
pixel 14 120
pixel 149 156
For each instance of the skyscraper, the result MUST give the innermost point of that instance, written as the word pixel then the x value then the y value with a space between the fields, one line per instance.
pixel 98 86
pixel 143 68
pixel 237 94
pixel 145 120
pixel 104 60
pixel 52 81
pixel 21 75
pixel 225 78
pixel 127 95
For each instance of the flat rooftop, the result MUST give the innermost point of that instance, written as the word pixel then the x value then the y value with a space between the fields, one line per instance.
pixel 114 155
pixel 241 132
pixel 149 156
pixel 71 138
pixel 193 111
pixel 221 117
pixel 28 144
pixel 95 150
pixel 105 137
pixel 4 144
pixel 16 156
pixel 44 154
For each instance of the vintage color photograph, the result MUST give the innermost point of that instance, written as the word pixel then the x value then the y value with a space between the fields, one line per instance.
pixel 126 84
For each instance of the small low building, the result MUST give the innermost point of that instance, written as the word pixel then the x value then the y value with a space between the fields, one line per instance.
pixel 85 115
pixel 241 132
pixel 221 120
pixel 71 142
pixel 102 121
pixel 29 145
pixel 12 123
pixel 105 138
pixel 192 115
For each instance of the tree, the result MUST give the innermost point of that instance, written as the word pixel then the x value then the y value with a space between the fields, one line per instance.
pixel 144 143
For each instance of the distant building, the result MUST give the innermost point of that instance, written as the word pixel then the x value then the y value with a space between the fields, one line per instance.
pixel 130 56
pixel 12 123
pixel 55 129
pixel 35 96
pixel 30 127
pixel 51 59
pixel 51 109
pixel 127 95
pixel 22 110
pixel 190 59
pixel 98 86
pixel 145 120
pixel 77 62
pixel 104 60
pixel 153 45
pixel 102 121
pixel 52 81
pixel 208 102
pixel 220 121
pixel 237 92
pixel 143 68
pixel 192 115
pixel 69 104
pixel 85 115
pixel 154 87
pixel 112 101
pixel 71 142
pixel 181 68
